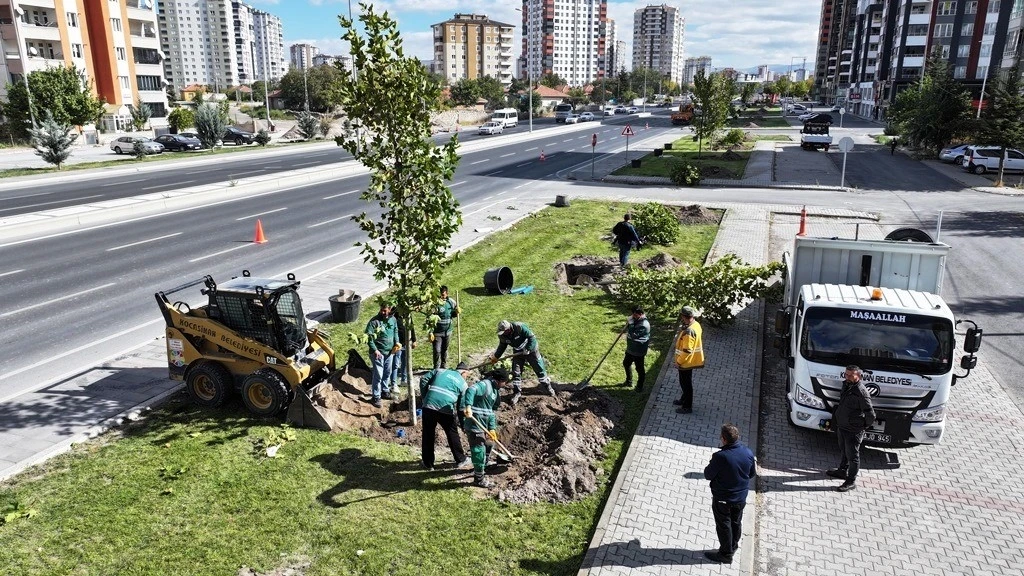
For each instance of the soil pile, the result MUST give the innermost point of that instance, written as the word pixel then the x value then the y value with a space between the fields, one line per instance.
pixel 730 155
pixel 695 214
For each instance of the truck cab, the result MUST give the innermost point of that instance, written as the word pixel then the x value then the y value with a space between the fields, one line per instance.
pixel 814 135
pixel 562 111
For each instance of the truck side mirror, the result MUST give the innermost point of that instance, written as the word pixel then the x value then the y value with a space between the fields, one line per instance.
pixel 972 341
pixel 969 362
pixel 782 319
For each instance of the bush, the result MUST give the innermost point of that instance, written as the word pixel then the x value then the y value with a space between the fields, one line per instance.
pixel 685 174
pixel 262 138
pixel 891 130
pixel 734 137
pixel 714 288
pixel 138 150
pixel 655 224
pixel 181 118
pixel 210 125
pixel 307 125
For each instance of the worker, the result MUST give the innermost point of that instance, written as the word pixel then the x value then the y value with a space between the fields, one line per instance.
pixel 442 392
pixel 638 337
pixel 626 238
pixel 397 376
pixel 480 401
pixel 382 339
pixel 524 349
pixel 445 310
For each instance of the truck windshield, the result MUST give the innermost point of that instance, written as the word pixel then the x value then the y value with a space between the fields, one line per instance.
pixel 878 340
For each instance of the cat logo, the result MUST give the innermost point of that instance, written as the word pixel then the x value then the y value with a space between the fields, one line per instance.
pixel 270 360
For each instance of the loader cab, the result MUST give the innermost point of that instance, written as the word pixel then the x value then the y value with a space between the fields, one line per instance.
pixel 266 310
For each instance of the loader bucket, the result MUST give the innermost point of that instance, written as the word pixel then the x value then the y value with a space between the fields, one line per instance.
pixel 304 413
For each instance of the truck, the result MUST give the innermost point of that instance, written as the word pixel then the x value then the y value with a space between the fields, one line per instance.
pixel 874 304
pixel 684 115
pixel 562 111
pixel 815 135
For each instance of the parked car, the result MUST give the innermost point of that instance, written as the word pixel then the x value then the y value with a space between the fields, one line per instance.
pixel 492 127
pixel 620 110
pixel 796 109
pixel 178 142
pixel 189 135
pixel 632 110
pixel 817 118
pixel 572 119
pixel 125 145
pixel 981 159
pixel 587 117
pixel 954 154
pixel 237 136
pixel 836 108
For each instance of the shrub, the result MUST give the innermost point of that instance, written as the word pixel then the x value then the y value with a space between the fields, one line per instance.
pixel 307 124
pixel 891 130
pixel 325 125
pixel 210 125
pixel 655 224
pixel 52 141
pixel 685 174
pixel 733 138
pixel 262 138
pixel 138 150
pixel 181 118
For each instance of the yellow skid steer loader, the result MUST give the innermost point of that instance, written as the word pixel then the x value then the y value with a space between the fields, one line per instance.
pixel 250 336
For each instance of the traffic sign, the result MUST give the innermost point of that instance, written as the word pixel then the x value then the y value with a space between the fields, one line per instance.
pixel 842 111
pixel 593 140
pixel 845 144
pixel 627 131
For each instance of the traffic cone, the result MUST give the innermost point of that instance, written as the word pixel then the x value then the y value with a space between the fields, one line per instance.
pixel 647 125
pixel 803 222
pixel 260 238
pixel 541 154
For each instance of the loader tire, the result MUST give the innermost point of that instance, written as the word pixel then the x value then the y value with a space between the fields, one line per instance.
pixel 209 384
pixel 265 392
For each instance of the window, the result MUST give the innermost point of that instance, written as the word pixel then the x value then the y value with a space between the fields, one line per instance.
pixel 125 84
pixel 971 8
pixel 967 30
pixel 121 54
pixel 960 72
pixel 116 24
pixel 148 82
pixel 76 50
pixel 963 51
pixel 941 30
pixel 922 29
pixel 947 8
pixel 993 7
pixel 986 50
pixel 990 29
pixel 981 72
pixel 73 19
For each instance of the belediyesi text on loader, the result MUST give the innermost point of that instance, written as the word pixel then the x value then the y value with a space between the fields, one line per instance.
pixel 250 336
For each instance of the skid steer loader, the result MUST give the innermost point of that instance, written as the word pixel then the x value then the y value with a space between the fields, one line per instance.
pixel 250 336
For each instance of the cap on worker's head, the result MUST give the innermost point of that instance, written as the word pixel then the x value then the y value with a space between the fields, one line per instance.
pixel 499 375
pixel 384 303
pixel 688 312
pixel 462 366
pixel 504 326
pixel 638 310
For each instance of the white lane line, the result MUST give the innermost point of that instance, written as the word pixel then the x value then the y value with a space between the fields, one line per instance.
pixel 552 143
pixel 494 173
pixel 260 214
pixel 306 163
pixel 26 196
pixel 487 198
pixel 507 155
pixel 125 182
pixel 480 161
pixel 2 274
pixel 329 221
pixel 523 164
pixel 201 171
pixel 464 214
pixel 143 242
pixel 568 140
pixel 520 186
pixel 339 195
pixel 317 261
pixel 53 202
pixel 528 149
pixel 165 185
pixel 54 300
pixel 246 245
pixel 457 183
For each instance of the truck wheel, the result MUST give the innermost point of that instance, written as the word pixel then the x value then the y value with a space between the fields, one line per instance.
pixel 265 392
pixel 209 384
pixel 909 235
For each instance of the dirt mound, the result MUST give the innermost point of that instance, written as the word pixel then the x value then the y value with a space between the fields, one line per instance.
pixel 730 155
pixel 659 261
pixel 344 398
pixel 695 214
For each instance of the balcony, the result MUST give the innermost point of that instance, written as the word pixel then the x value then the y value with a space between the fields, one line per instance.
pixel 917 40
pixel 37 3
pixel 141 29
pixel 919 19
pixel 913 61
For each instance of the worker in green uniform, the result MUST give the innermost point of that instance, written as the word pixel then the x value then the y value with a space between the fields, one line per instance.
pixel 446 310
pixel 382 339
pixel 524 349
pixel 442 392
pixel 481 402
pixel 638 337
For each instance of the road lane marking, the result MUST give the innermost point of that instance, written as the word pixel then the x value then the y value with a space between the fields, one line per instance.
pixel 53 202
pixel 480 161
pixel 507 155
pixel 26 196
pixel 54 300
pixel 528 149
pixel 520 186
pixel 457 183
pixel 493 173
pixel 568 140
pixel 123 183
pixel 246 245
pixel 339 195
pixel 464 214
pixel 523 164
pixel 143 241
pixel 306 163
pixel 2 274
pixel 329 221
pixel 166 185
pixel 201 171
pixel 551 143
pixel 317 261
pixel 260 214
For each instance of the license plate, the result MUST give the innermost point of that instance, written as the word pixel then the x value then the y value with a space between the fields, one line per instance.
pixel 876 437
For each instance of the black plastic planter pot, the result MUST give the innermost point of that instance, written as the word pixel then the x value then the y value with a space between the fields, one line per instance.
pixel 498 280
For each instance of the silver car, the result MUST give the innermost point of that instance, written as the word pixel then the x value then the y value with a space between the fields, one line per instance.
pixel 492 127
pixel 954 154
pixel 125 145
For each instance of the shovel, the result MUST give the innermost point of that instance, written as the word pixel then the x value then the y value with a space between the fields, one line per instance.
pixel 586 381
pixel 507 456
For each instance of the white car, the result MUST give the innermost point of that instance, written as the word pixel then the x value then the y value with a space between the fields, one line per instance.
pixel 981 159
pixel 572 118
pixel 806 116
pixel 125 145
pixel 632 110
pixel 587 117
pixel 492 127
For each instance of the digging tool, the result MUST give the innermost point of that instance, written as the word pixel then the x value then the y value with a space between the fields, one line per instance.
pixel 458 325
pixel 479 366
pixel 586 381
pixel 507 455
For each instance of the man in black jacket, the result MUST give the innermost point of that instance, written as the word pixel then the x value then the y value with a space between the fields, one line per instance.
pixel 626 238
pixel 854 414
pixel 729 471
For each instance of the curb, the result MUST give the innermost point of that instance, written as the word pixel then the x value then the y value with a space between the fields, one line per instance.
pixel 661 180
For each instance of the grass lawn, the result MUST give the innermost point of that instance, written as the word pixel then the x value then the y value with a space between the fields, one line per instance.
pixel 685 149
pixel 881 138
pixel 165 157
pixel 773 137
pixel 769 121
pixel 187 492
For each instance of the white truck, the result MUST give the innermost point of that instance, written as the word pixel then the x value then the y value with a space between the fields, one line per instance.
pixel 874 304
pixel 509 117
pixel 562 111
pixel 815 135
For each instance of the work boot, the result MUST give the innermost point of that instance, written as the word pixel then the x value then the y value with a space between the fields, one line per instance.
pixel 465 464
pixel 715 556
pixel 386 396
pixel 626 384
pixel 550 389
pixel 376 403
pixel 516 397
pixel 846 486
pixel 639 386
pixel 482 482
pixel 837 473
pixel 678 402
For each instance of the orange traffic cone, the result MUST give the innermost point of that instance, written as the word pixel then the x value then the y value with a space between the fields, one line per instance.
pixel 260 238
pixel 541 154
pixel 647 125
pixel 803 222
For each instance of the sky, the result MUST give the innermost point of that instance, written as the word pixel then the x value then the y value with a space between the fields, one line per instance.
pixel 735 33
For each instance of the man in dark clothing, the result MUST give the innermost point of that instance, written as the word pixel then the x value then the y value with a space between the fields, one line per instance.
pixel 442 392
pixel 524 350
pixel 446 310
pixel 893 143
pixel 854 414
pixel 625 238
pixel 729 471
pixel 638 336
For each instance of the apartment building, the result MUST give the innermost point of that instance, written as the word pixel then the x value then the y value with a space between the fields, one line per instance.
pixel 567 38
pixel 301 55
pixel 268 38
pixel 613 58
pixel 658 40
pixel 473 46
pixel 329 60
pixel 113 41
pixel 693 65
pixel 245 42
pixel 836 35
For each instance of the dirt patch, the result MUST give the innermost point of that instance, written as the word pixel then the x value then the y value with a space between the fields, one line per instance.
pixel 695 214
pixel 730 155
pixel 585 271
pixel 296 567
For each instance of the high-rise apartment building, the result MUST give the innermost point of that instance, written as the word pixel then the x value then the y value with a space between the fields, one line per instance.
pixel 693 65
pixel 836 33
pixel 613 58
pixel 329 60
pixel 301 55
pixel 268 36
pixel 244 42
pixel 473 46
pixel 565 37
pixel 658 40
pixel 114 42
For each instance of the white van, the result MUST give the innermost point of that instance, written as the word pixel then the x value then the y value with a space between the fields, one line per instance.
pixel 507 116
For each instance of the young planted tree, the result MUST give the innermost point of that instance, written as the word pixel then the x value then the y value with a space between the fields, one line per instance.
pixel 391 102
pixel 141 113
pixel 747 93
pixel 53 141
pixel 714 107
pixel 307 124
pixel 1003 121
pixel 210 125
pixel 935 109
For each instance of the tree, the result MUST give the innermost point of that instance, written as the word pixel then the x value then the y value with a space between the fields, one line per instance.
pixel 599 93
pixel 784 86
pixel 577 96
pixel 181 118
pixel 551 80
pixel 747 93
pixel 307 124
pixel 935 109
pixel 711 96
pixel 390 103
pixel 491 89
pixel 210 125
pixel 53 141
pixel 1003 121
pixel 325 125
pixel 465 92
pixel 60 90
pixel 322 83
pixel 524 103
pixel 141 113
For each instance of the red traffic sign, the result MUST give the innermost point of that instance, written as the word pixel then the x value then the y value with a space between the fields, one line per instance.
pixel 627 131
pixel 593 140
